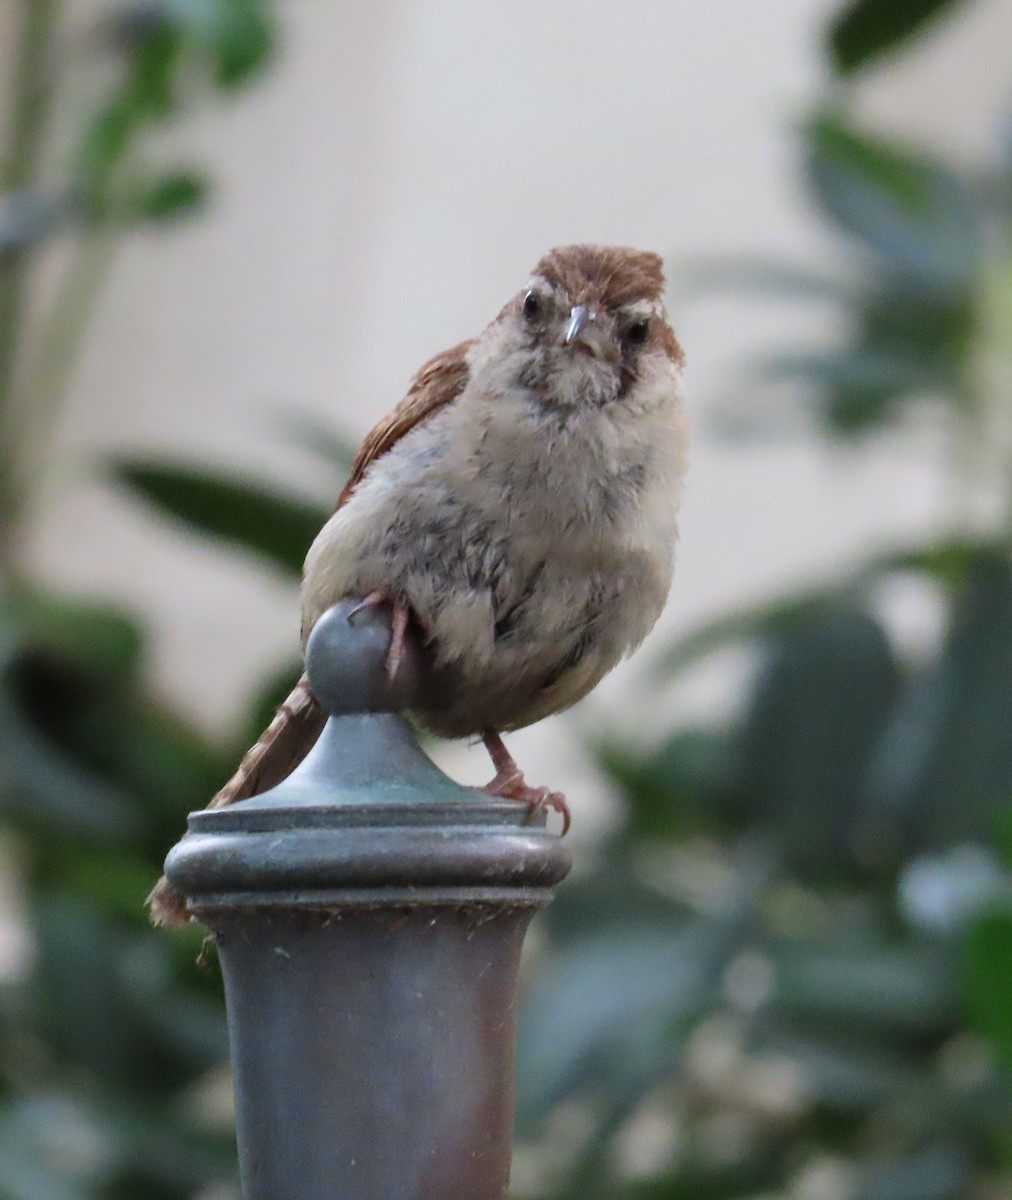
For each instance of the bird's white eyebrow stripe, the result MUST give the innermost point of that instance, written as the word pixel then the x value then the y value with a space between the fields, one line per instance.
pixel 646 308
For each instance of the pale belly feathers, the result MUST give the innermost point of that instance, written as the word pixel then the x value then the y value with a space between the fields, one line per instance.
pixel 536 553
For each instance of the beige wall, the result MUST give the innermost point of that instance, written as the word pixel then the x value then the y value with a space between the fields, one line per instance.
pixel 386 190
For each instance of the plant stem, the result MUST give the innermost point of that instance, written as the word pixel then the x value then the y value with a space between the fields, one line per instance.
pixel 32 91
pixel 47 375
pixel 29 105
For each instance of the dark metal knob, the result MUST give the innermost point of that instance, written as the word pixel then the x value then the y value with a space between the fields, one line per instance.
pixel 346 661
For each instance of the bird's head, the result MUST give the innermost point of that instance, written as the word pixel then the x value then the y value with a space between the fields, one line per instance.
pixel 588 327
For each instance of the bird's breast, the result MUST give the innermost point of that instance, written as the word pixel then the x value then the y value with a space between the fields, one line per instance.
pixel 522 547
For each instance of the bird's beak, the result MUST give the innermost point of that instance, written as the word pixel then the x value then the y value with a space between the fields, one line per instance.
pixel 579 318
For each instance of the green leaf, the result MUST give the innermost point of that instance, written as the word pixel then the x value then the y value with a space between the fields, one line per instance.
pixel 93 637
pixel 85 752
pixel 626 969
pixel 678 789
pixel 145 94
pixel 860 386
pixel 813 721
pixel 102 148
pixel 609 1012
pixel 94 993
pixel 704 1177
pixel 938 328
pixel 244 44
pixel 900 992
pixel 916 216
pixel 148 91
pixel 175 195
pixel 865 30
pixel 844 1072
pixel 164 1152
pixel 962 783
pixel 906 345
pixel 715 635
pixel 741 626
pixel 987 980
pixel 112 880
pixel 43 788
pixel 237 35
pixel 150 753
pixel 608 900
pixel 951 562
pixel 246 512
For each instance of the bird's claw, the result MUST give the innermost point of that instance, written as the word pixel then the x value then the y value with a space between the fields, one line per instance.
pixel 510 785
pixel 549 799
pixel 399 618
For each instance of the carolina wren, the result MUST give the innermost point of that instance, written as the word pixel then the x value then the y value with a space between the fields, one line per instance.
pixel 519 505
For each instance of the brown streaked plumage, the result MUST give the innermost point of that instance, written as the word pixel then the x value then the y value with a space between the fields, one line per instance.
pixel 434 386
pixel 520 502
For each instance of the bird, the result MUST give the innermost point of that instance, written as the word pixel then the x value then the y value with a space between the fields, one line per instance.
pixel 518 509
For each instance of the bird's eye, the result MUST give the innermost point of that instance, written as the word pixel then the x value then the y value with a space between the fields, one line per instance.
pixel 636 332
pixel 534 306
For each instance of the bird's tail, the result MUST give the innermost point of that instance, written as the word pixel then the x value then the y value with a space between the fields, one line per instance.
pixel 272 758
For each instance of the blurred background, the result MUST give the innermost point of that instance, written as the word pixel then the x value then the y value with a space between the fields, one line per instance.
pixel 230 230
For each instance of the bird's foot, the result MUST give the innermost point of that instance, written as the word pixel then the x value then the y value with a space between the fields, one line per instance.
pixel 400 617
pixel 510 785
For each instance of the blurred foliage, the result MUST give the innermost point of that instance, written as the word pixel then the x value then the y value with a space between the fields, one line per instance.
pixel 865 30
pixel 151 61
pixel 111 1042
pixel 787 973
pixel 245 512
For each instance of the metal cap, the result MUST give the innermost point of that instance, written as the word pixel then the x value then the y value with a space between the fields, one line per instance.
pixel 367 817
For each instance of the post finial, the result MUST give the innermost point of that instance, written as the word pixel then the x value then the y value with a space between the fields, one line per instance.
pixel 369 913
pixel 346 661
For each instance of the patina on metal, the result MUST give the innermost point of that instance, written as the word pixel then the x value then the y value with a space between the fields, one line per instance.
pixel 369 914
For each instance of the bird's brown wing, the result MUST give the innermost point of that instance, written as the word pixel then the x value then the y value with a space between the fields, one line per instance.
pixel 300 720
pixel 436 384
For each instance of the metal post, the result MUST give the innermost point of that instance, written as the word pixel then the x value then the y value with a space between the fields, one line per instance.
pixel 369 914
